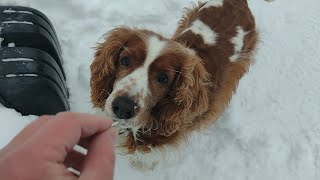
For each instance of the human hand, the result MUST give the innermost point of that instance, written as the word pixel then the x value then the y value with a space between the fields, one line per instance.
pixel 44 149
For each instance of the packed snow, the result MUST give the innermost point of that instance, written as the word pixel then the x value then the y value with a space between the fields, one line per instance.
pixel 272 127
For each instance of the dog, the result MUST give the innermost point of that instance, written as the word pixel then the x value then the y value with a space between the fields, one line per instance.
pixel 159 90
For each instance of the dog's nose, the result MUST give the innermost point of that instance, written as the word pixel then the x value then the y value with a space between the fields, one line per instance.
pixel 124 107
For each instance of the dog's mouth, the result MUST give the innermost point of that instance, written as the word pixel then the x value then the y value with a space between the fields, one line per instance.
pixel 127 128
pixel 123 131
pixel 122 126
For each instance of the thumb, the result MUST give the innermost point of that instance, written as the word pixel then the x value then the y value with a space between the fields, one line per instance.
pixel 100 160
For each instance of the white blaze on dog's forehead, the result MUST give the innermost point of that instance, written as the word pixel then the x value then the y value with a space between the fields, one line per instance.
pixel 137 81
pixel 207 34
pixel 237 41
pixel 154 48
pixel 212 3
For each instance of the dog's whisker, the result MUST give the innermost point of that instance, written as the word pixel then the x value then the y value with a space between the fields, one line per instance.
pixel 118 119
pixel 148 129
pixel 106 92
pixel 173 70
pixel 156 126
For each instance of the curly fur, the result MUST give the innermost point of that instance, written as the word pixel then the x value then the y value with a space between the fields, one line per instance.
pixel 203 84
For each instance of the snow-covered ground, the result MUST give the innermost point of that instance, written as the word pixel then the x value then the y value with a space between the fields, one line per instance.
pixel 272 128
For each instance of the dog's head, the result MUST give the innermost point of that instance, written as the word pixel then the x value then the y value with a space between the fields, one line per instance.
pixel 150 84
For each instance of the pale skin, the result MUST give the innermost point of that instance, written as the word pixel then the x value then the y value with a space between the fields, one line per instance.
pixel 44 149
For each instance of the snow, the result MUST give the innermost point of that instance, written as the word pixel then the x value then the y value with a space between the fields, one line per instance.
pixel 1 39
pixel 16 59
pixel 16 22
pixel 272 128
pixel 13 11
pixel 16 75
pixel 11 44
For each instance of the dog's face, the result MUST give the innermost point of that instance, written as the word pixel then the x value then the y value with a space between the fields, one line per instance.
pixel 147 83
pixel 144 75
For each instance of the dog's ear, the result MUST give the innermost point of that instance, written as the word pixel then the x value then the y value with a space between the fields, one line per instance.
pixel 188 97
pixel 191 91
pixel 103 66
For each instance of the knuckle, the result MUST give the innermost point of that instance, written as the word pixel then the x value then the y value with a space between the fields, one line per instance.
pixel 70 116
pixel 67 119
pixel 43 117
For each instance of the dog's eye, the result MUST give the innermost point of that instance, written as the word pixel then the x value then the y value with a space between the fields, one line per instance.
pixel 125 61
pixel 163 78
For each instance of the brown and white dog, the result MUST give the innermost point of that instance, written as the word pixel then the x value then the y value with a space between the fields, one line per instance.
pixel 159 89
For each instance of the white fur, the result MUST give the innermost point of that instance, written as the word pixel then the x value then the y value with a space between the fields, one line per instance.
pixel 207 34
pixel 137 81
pixel 238 43
pixel 144 161
pixel 134 84
pixel 213 3
pixel 157 156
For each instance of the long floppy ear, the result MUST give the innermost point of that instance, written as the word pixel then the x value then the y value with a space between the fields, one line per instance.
pixel 188 97
pixel 103 66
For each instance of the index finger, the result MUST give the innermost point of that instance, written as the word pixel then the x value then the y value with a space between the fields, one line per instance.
pixel 64 131
pixel 100 160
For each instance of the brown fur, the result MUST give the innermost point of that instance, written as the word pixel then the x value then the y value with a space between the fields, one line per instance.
pixel 225 75
pixel 206 81
pixel 103 67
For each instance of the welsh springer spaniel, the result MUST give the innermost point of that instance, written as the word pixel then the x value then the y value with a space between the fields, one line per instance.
pixel 160 89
